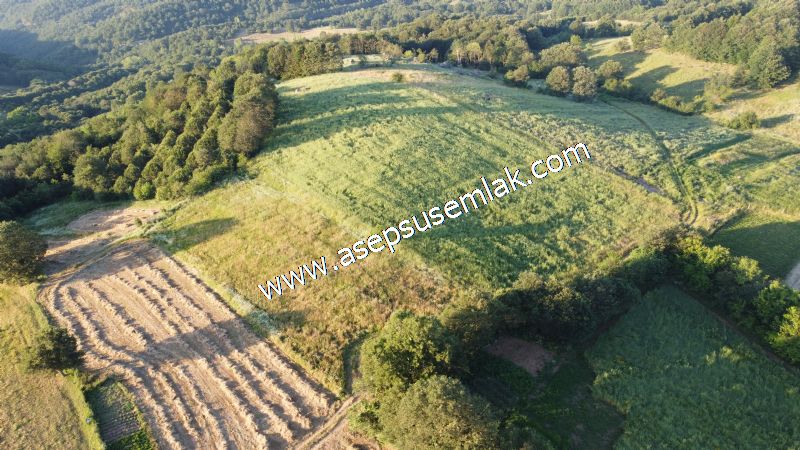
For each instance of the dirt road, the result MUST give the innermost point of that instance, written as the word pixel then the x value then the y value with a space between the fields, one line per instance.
pixel 200 377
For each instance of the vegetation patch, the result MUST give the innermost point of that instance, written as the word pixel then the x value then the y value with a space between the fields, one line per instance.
pixel 121 424
pixel 685 380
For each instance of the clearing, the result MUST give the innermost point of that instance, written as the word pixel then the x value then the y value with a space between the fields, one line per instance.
pixel 261 38
pixel 669 358
pixel 528 355
pixel 199 375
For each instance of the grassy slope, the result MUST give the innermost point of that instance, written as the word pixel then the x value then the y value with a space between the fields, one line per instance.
pixel 685 380
pixel 356 153
pixel 727 171
pixel 37 409
pixel 676 73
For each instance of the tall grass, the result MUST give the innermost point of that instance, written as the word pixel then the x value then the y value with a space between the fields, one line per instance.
pixel 685 380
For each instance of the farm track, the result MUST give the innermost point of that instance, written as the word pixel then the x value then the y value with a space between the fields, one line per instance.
pixel 200 377
pixel 691 215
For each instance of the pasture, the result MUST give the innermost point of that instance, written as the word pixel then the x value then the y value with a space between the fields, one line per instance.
pixel 675 73
pixel 685 380
pixel 289 36
pixel 356 152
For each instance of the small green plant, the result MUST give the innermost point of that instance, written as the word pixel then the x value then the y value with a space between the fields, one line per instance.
pixel 398 77
pixel 744 121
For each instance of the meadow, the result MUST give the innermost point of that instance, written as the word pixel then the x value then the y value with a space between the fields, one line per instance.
pixel 24 423
pixel 356 152
pixel 685 380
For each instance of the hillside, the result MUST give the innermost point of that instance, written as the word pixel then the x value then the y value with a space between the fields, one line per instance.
pixel 355 151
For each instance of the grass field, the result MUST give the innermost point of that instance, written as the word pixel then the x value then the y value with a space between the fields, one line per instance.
pixel 676 73
pixel 771 239
pixel 684 380
pixel 38 409
pixel 356 152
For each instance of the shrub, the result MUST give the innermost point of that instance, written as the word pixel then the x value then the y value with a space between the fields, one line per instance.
pixel 439 413
pixel 558 80
pixel 56 349
pixel 744 121
pixel 21 251
pixel 787 340
pixel 398 77
pixel 623 45
pixel 584 85
pixel 518 76
pixel 648 36
pixel 610 69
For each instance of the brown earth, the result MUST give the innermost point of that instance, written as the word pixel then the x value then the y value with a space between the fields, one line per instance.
pixel 200 377
pixel 528 355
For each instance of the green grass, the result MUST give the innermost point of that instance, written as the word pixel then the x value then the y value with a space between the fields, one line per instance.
pixel 771 239
pixel 684 380
pixel 38 409
pixel 121 424
pixel 675 73
pixel 558 402
pixel 356 152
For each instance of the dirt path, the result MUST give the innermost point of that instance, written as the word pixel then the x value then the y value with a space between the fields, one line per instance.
pixel 793 279
pixel 200 377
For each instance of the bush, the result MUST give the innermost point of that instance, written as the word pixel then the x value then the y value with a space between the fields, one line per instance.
pixel 518 76
pixel 56 349
pixel 407 349
pixel 610 69
pixel 558 80
pixel 744 121
pixel 584 83
pixel 398 77
pixel 439 413
pixel 21 251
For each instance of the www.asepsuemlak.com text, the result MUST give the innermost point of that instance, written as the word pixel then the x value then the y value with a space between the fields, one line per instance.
pixel 388 239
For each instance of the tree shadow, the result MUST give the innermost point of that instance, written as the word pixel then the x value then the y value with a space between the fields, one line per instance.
pixel 773 122
pixel 774 245
pixel 190 235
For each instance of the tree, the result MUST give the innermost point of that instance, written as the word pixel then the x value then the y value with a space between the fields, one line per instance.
pixel 767 66
pixel 439 413
pixel 772 303
pixel 558 80
pixel 56 349
pixel 518 76
pixel 407 349
pixel 648 36
pixel 744 121
pixel 584 85
pixel 787 340
pixel 610 69
pixel 21 251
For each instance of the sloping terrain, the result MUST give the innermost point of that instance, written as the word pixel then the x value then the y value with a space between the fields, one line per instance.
pixel 356 152
pixel 200 377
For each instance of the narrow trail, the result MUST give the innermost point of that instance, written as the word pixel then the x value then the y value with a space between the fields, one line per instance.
pixel 691 215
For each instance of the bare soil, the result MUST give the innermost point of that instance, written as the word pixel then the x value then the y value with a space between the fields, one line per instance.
pixel 201 378
pixel 528 355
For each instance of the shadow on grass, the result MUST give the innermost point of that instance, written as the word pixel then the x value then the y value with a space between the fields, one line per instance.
pixel 776 245
pixel 187 236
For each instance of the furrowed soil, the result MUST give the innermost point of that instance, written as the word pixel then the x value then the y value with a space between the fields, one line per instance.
pixel 199 376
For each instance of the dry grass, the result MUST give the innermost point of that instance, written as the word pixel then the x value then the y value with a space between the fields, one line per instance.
pixel 261 38
pixel 40 409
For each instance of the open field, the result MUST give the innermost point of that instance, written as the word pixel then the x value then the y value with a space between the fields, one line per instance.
pixel 38 409
pixel 356 152
pixel 200 377
pixel 676 73
pixel 685 380
pixel 771 239
pixel 684 76
pixel 261 38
